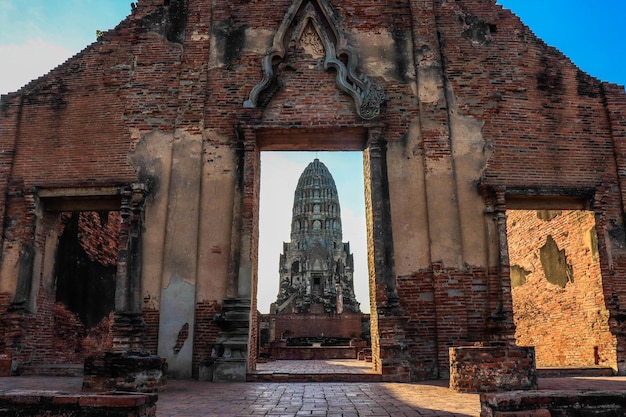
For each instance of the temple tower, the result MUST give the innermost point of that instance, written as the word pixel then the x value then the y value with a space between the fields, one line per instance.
pixel 316 267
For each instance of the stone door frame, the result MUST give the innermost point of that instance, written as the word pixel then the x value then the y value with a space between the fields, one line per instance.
pixel 368 139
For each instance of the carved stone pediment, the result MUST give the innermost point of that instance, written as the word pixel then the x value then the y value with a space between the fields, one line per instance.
pixel 312 25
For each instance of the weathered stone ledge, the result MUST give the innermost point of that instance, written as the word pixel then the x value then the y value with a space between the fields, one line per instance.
pixel 27 403
pixel 553 403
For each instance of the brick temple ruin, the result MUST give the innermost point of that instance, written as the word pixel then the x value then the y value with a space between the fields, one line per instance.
pixel 495 184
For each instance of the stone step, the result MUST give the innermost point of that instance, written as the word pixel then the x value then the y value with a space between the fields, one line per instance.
pixel 560 372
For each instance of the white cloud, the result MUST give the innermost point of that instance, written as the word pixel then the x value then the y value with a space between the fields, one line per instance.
pixel 22 63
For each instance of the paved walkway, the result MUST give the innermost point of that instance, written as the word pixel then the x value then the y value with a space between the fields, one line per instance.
pixel 186 398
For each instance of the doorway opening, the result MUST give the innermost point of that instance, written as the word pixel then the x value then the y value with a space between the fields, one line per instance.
pixel 85 275
pixel 313 279
pixel 73 284
pixel 557 290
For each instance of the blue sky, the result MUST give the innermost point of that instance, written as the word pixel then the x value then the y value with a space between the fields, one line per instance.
pixel 592 33
pixel 37 35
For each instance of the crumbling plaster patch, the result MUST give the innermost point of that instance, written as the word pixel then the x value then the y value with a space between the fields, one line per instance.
pixel 152 158
pixel 408 202
pixel 379 54
pixel 410 213
pixel 429 85
pixel 177 310
pixel 471 151
pixel 181 245
pixel 217 199
pixel 180 249
pixel 258 41
pixel 9 267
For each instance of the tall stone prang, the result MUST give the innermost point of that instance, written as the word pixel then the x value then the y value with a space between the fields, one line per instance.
pixel 316 267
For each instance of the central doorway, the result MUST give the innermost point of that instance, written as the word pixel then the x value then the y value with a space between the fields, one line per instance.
pixel 279 218
pixel 381 272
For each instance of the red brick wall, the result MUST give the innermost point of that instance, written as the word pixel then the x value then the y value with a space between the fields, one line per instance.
pixel 314 325
pixel 206 332
pixel 492 367
pixel 98 235
pixel 151 334
pixel 53 334
pixel 568 326
pixel 445 308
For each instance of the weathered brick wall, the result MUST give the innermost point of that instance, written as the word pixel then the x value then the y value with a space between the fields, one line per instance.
pixel 52 333
pixel 314 325
pixel 446 308
pixel 206 331
pixel 151 334
pixel 492 367
pixel 568 325
pixel 547 123
pixel 472 96
pixel 82 115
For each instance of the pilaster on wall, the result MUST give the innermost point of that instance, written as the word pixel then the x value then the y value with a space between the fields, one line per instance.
pixel 247 278
pixel 615 105
pixel 380 240
pixel 242 284
pixel 10 128
pixel 389 344
pixel 128 325
pixel 18 249
pixel 180 258
pixel 250 219
pixel 441 188
pixel 444 227
pixel 500 326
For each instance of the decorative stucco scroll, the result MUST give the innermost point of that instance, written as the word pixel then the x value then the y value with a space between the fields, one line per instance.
pixel 296 26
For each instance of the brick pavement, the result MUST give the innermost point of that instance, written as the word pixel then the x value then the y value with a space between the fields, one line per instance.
pixel 187 398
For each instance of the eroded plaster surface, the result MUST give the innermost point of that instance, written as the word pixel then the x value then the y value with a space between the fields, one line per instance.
pixel 152 158
pixel 217 201
pixel 176 326
pixel 408 205
pixel 471 152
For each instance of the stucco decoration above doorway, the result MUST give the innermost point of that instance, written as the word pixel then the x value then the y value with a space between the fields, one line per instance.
pixel 313 24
